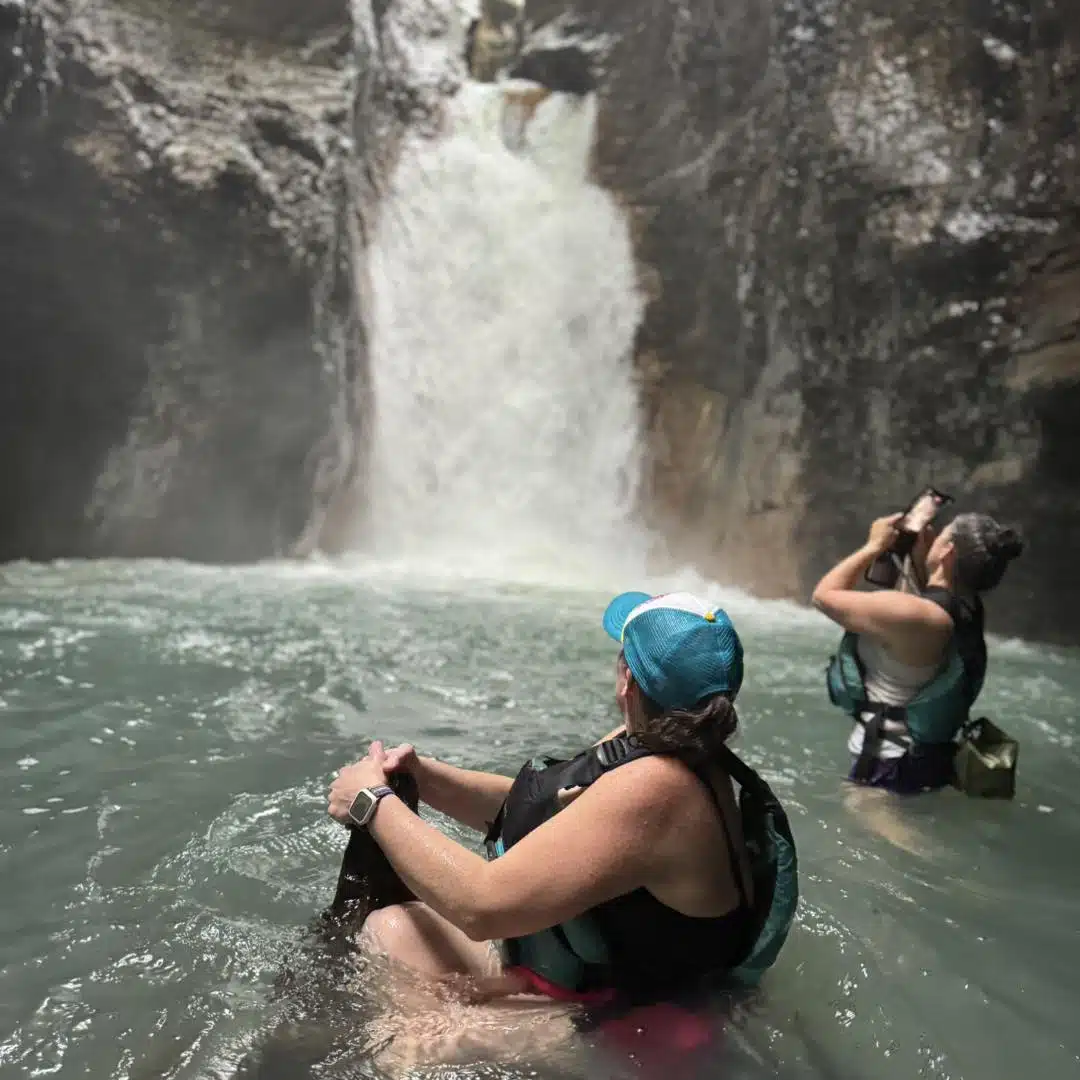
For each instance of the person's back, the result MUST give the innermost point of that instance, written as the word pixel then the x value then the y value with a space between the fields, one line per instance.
pixel 698 915
pixel 891 682
pixel 921 658
pixel 622 872
pixel 692 912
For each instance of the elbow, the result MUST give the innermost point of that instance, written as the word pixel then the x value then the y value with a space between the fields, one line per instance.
pixel 475 924
pixel 481 923
pixel 489 918
pixel 825 601
pixel 479 919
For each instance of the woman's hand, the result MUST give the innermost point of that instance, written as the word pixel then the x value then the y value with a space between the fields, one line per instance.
pixel 371 772
pixel 923 543
pixel 883 534
pixel 402 758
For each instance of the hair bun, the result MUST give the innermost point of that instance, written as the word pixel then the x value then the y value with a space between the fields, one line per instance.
pixel 1008 543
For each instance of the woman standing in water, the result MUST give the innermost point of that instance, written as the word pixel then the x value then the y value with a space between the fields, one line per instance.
pixel 622 874
pixel 920 657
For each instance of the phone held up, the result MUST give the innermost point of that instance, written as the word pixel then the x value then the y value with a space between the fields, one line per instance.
pixel 885 570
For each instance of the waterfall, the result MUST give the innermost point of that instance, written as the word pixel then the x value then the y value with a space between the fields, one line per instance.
pixel 507 427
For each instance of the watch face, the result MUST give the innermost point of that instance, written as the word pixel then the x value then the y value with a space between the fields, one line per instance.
pixel 362 807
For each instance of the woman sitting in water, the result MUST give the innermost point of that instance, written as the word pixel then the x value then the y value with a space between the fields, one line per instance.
pixel 911 665
pixel 620 874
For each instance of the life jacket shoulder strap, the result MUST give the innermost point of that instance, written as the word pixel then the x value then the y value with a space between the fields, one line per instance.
pixel 580 771
pixel 591 764
pixel 740 772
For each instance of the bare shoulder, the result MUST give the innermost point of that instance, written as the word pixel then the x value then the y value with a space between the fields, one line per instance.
pixel 933 614
pixel 658 781
pixel 907 607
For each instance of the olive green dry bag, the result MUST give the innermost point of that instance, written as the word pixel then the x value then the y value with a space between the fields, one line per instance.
pixel 986 761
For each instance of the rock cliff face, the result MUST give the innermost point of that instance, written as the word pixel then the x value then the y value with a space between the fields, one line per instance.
pixel 182 199
pixel 859 229
pixel 176 275
pixel 857 225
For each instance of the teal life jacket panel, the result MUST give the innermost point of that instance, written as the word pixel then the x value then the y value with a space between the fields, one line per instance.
pixel 936 714
pixel 578 954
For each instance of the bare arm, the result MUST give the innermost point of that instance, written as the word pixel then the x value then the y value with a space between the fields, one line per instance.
pixel 467 795
pixel 914 629
pixel 842 578
pixel 556 872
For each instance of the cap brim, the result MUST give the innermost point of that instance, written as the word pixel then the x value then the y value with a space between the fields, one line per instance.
pixel 619 609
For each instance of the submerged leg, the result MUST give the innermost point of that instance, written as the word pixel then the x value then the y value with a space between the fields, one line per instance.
pixel 418 937
pixel 447 1000
pixel 317 1022
pixel 877 809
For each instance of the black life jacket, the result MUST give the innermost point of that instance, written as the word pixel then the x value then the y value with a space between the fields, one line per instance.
pixel 578 954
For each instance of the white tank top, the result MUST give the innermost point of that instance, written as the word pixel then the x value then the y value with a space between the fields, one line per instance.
pixel 892 683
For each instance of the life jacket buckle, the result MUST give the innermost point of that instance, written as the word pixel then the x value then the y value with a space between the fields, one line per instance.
pixel 616 750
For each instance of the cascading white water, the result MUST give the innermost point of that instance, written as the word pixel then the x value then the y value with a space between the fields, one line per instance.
pixel 507 426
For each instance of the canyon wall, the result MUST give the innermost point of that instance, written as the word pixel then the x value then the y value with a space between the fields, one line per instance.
pixel 183 195
pixel 859 229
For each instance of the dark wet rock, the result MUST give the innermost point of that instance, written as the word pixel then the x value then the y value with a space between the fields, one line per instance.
pixel 12 13
pixel 857 226
pixel 494 38
pixel 858 229
pixel 183 196
pixel 179 309
pixel 563 55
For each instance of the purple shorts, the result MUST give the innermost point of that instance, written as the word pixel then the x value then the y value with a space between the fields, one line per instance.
pixel 927 769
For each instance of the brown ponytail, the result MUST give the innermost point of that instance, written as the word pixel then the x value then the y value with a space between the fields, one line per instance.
pixel 695 734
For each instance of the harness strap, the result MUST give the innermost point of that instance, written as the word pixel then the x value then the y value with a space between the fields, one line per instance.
pixel 725 761
pixel 739 771
pixel 615 751
pixel 875 733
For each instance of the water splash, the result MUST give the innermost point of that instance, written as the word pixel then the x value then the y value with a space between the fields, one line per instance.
pixel 505 303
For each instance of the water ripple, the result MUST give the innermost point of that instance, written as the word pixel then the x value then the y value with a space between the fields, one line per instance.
pixel 170 731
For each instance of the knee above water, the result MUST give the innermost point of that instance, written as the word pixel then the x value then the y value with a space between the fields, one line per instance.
pixel 392 921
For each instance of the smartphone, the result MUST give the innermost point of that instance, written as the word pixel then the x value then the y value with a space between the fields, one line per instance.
pixel 884 571
pixel 922 511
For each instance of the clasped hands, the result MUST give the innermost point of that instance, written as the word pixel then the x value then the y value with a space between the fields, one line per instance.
pixel 370 772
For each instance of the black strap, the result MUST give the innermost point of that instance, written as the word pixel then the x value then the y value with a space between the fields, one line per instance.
pixel 616 750
pixel 733 855
pixel 591 764
pixel 584 769
pixel 875 733
pixel 873 729
pixel 738 770
pixel 749 780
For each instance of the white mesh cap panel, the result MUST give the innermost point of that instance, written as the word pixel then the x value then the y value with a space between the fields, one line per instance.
pixel 679 601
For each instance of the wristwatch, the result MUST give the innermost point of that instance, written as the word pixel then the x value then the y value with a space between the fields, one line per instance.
pixel 363 806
